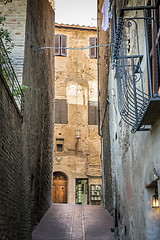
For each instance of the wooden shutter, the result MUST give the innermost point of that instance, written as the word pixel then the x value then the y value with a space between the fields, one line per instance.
pixel 92 113
pixel 93 51
pixel 154 45
pixel 57 45
pixel 113 23
pixel 57 111
pixel 61 111
pixel 63 44
pixel 64 111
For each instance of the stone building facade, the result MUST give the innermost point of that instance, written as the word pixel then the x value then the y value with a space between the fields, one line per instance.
pixel 133 108
pixel 26 147
pixel 104 59
pixel 77 163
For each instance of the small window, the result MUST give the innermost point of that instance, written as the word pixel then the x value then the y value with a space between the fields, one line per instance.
pixel 93 51
pixel 59 147
pixel 59 144
pixel 60 44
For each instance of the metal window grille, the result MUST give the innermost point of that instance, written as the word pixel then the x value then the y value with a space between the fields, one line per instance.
pixel 10 79
pixel 134 85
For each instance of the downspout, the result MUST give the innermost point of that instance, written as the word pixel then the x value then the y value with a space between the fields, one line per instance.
pixel 98 64
pixel 99 128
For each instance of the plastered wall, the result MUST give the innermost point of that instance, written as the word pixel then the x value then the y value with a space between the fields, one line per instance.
pixel 134 160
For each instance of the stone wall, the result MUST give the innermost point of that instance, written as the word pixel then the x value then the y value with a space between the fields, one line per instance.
pixel 76 82
pixel 26 149
pixel 104 66
pixel 134 159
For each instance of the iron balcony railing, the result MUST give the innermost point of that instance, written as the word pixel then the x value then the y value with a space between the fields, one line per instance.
pixel 133 72
pixel 10 79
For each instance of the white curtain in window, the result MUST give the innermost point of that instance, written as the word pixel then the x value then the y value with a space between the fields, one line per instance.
pixel 105 21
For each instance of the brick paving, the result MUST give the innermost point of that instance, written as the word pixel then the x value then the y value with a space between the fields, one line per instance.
pixel 74 222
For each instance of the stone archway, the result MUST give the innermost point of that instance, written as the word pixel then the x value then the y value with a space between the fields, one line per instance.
pixel 60 183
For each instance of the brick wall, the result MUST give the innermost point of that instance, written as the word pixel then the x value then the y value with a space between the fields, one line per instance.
pixel 38 113
pixel 14 173
pixel 26 148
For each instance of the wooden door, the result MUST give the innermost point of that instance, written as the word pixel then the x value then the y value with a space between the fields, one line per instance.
pixel 59 188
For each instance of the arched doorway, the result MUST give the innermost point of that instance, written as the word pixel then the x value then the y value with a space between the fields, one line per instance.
pixel 59 194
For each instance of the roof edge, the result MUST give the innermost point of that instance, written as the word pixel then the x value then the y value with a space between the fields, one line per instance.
pixel 73 26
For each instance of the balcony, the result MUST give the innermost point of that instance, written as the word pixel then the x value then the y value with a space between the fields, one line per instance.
pixel 136 58
pixel 10 80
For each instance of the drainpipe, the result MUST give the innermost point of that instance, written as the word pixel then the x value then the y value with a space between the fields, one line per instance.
pixel 99 128
pixel 98 64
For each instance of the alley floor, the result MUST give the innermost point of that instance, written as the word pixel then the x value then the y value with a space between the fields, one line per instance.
pixel 74 222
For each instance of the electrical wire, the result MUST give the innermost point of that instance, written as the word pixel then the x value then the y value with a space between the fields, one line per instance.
pixel 82 48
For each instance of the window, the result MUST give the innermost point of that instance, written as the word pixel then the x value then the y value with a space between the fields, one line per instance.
pixel 92 113
pixel 93 51
pixel 61 111
pixel 59 143
pixel 60 42
pixel 96 192
pixel 154 46
pixel 59 147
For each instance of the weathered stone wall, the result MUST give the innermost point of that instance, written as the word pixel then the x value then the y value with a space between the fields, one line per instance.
pixel 104 66
pixel 134 161
pixel 76 81
pixel 26 149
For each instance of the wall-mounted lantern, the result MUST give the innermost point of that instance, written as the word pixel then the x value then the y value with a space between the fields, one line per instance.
pixel 155 200
pixel 77 134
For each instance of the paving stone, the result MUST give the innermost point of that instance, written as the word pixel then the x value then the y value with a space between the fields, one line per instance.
pixel 74 222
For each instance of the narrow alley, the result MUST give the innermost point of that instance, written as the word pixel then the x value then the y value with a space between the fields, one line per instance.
pixel 76 222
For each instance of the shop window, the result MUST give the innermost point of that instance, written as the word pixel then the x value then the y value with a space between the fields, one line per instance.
pixel 95 192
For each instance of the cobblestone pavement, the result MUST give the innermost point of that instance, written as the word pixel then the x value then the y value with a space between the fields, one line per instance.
pixel 74 222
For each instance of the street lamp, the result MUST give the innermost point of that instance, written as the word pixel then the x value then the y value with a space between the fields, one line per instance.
pixel 155 200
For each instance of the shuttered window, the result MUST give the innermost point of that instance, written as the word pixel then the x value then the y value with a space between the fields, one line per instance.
pixel 57 44
pixel 60 44
pixel 61 111
pixel 93 51
pixel 92 113
pixel 154 45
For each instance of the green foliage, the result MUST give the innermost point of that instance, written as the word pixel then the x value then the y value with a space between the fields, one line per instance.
pixel 5 35
pixel 6 1
pixel 20 89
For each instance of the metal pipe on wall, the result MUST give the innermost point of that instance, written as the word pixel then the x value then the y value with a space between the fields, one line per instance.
pixel 98 64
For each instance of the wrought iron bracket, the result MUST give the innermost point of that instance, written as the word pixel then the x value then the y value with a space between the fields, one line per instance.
pixel 134 98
